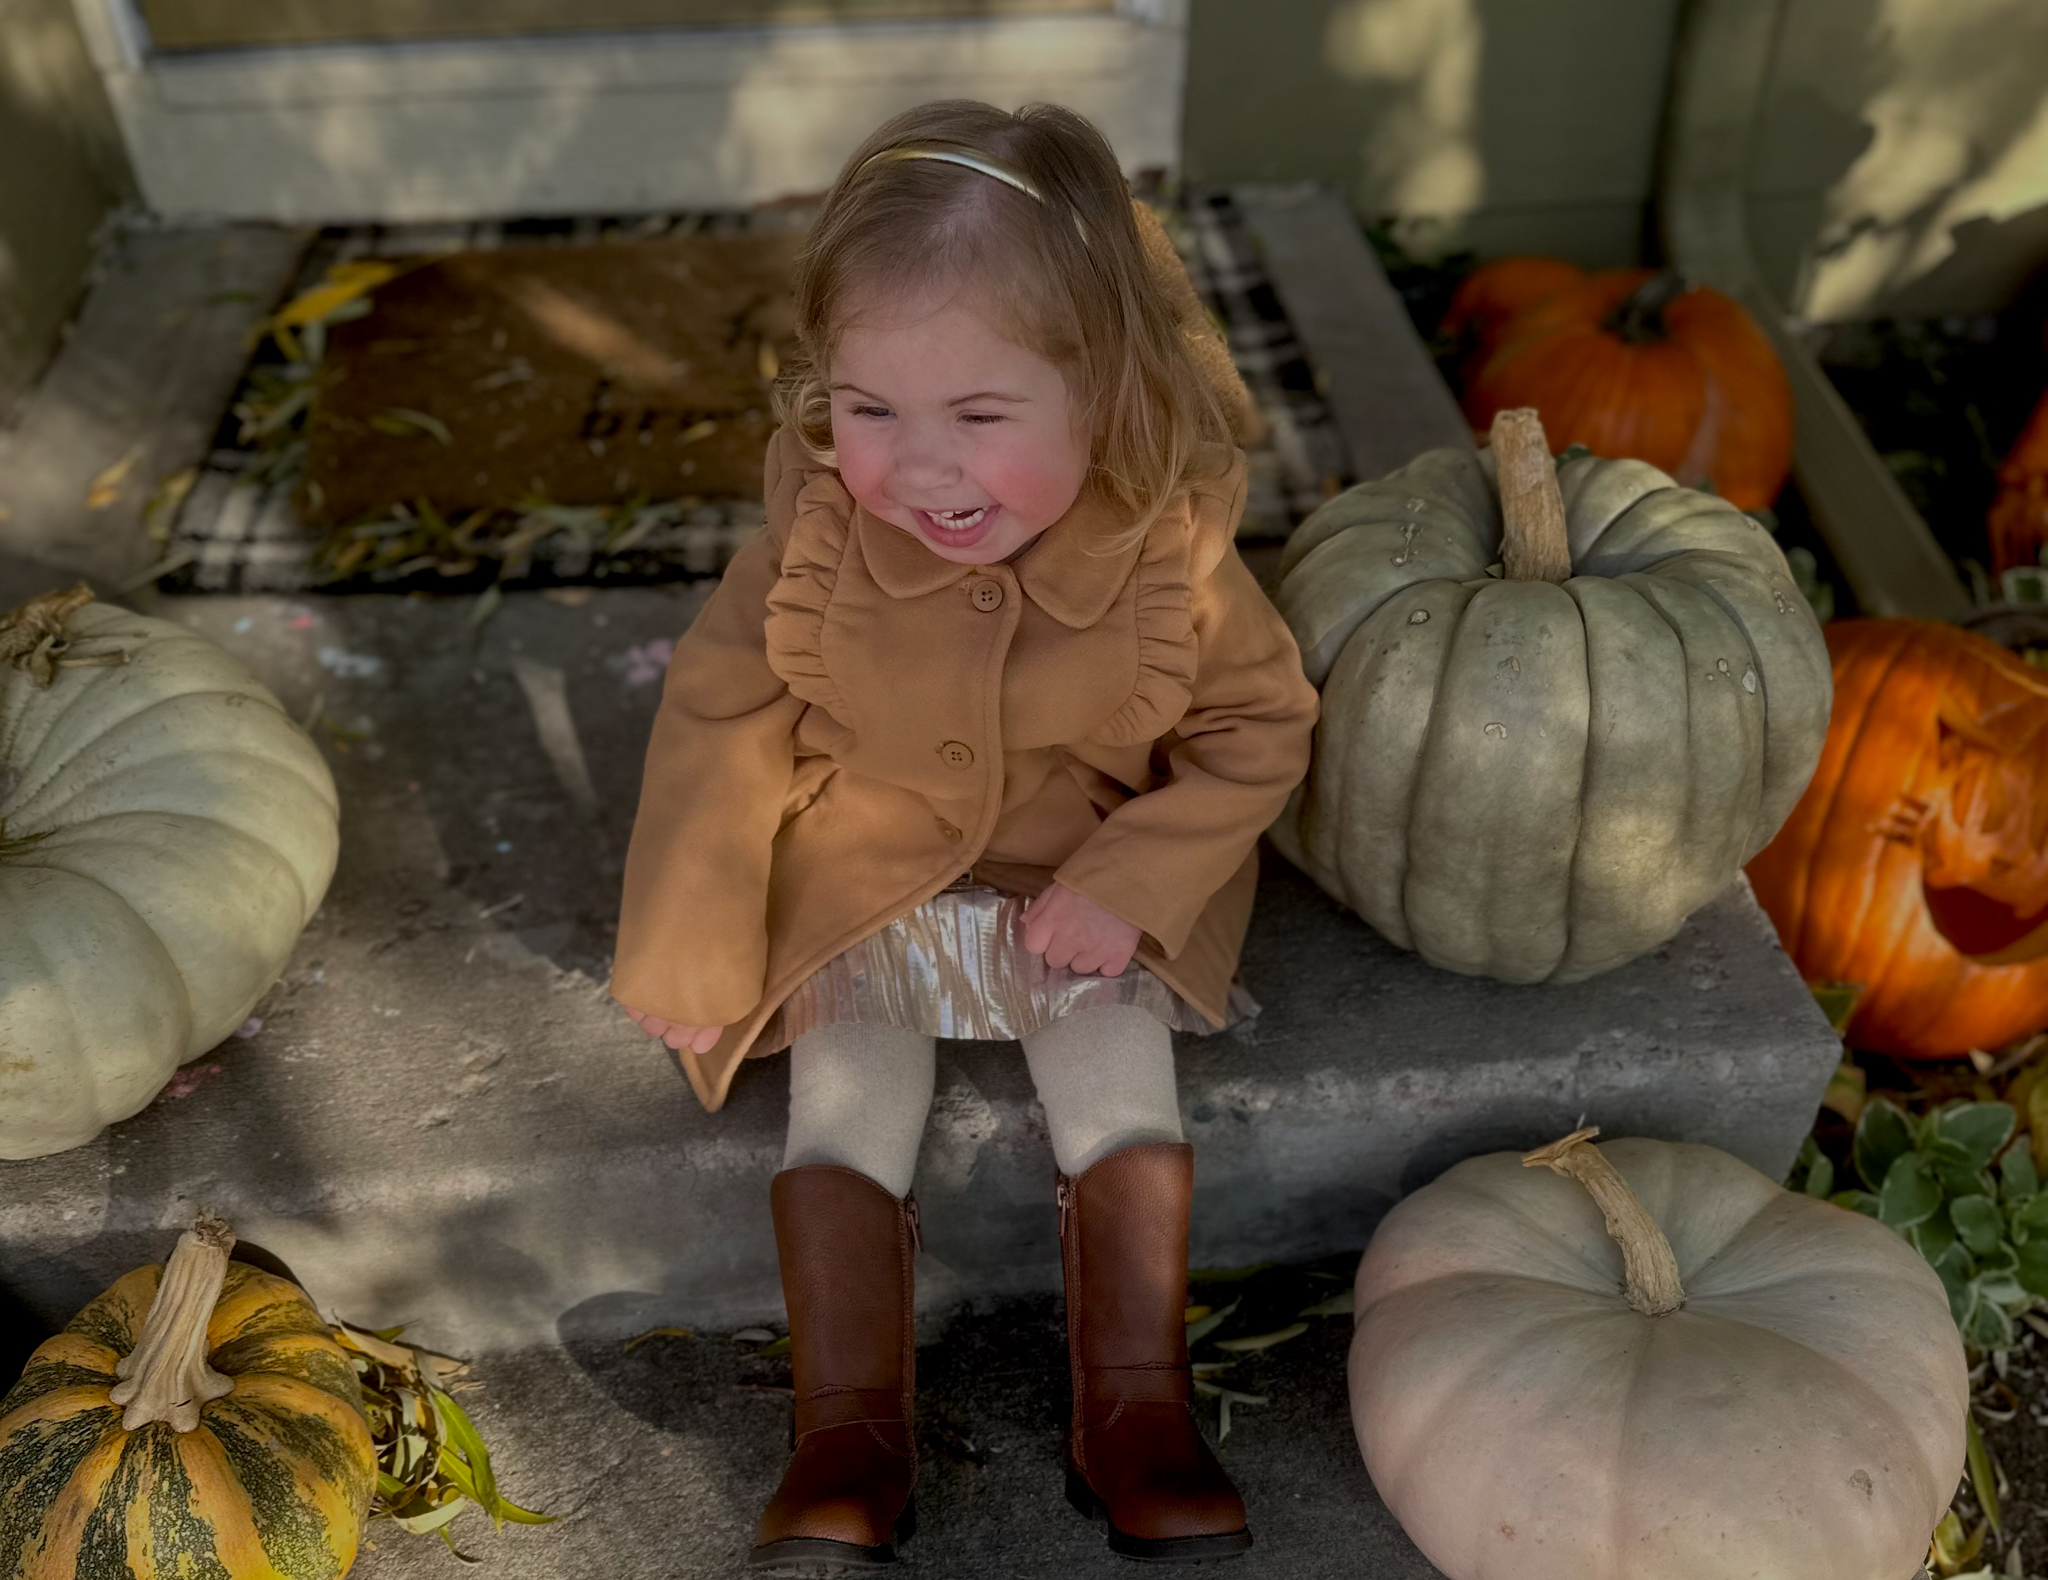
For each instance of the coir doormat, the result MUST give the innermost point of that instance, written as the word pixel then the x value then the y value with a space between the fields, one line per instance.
pixel 578 375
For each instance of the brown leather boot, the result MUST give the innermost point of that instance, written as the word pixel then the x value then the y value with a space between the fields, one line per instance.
pixel 1134 1452
pixel 846 1247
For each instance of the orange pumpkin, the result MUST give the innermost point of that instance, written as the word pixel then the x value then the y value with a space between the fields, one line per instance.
pixel 1916 864
pixel 1635 363
pixel 2018 522
pixel 1488 299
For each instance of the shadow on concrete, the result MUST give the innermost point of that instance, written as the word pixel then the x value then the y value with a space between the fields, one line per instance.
pixel 21 1330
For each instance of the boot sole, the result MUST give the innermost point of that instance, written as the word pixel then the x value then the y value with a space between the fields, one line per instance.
pixel 819 1556
pixel 1156 1549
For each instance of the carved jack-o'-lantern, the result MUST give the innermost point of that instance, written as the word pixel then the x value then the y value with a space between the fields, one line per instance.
pixel 1917 862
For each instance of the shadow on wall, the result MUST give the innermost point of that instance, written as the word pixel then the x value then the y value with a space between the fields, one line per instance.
pixel 1422 162
pixel 1946 205
pixel 61 166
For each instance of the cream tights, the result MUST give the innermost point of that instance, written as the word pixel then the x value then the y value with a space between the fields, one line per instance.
pixel 859 1094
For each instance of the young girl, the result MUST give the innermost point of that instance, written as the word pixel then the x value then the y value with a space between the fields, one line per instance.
pixel 976 740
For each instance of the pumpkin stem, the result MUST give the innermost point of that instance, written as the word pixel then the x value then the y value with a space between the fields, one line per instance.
pixel 166 1377
pixel 32 637
pixel 1640 319
pixel 1534 544
pixel 1646 1259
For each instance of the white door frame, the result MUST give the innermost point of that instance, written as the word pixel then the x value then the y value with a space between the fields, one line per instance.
pixel 615 123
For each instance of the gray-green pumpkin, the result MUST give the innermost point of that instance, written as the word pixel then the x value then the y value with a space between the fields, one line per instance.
pixel 1531 779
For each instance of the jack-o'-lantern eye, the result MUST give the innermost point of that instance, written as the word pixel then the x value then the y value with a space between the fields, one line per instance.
pixel 1987 930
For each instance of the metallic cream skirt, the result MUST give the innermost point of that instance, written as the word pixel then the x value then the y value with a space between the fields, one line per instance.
pixel 957 967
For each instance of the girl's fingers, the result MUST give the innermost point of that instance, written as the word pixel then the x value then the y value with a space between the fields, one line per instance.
pixel 706 1038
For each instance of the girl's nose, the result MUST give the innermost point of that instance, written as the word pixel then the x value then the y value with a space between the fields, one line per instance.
pixel 925 464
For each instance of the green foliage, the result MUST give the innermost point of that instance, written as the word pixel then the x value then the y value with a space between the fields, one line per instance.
pixel 1980 1219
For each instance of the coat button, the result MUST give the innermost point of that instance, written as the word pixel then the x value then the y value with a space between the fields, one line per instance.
pixel 987 596
pixel 957 754
pixel 948 830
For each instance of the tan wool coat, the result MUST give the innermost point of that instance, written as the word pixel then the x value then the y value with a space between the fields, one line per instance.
pixel 853 722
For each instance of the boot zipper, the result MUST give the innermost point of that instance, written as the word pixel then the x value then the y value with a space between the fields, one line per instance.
pixel 916 1228
pixel 1063 1193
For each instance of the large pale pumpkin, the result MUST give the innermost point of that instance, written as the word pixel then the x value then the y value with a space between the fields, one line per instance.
pixel 1916 865
pixel 1537 757
pixel 165 834
pixel 196 1420
pixel 1547 1387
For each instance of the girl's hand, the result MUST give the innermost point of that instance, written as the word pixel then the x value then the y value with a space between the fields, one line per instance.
pixel 698 1039
pixel 1071 930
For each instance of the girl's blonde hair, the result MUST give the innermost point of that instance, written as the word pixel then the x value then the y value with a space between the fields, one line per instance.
pixel 1081 296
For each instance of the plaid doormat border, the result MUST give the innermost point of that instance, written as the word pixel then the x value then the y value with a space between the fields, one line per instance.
pixel 238 530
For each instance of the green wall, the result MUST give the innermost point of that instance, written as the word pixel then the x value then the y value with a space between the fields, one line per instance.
pixel 1508 125
pixel 1900 163
pixel 61 168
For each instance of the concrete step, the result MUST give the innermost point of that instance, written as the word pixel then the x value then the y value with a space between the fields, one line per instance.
pixel 442 1119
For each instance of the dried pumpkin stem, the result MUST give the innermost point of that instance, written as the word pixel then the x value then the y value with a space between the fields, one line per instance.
pixel 166 1377
pixel 1534 544
pixel 1647 1263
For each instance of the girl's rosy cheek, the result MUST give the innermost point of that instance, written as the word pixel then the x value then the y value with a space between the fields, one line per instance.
pixel 1029 479
pixel 863 460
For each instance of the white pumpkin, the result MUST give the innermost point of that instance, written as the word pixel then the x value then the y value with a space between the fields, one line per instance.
pixel 165 834
pixel 1537 775
pixel 1771 1388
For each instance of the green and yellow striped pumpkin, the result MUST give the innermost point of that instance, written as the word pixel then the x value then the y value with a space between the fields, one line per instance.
pixel 102 1477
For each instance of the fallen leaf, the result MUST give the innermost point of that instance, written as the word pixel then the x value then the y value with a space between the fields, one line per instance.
pixel 639 1339
pixel 699 430
pixel 164 502
pixel 106 487
pixel 486 605
pixel 401 422
pixel 1196 1313
pixel 1202 1327
pixel 344 283
pixel 1340 1304
pixel 1837 1000
pixel 1847 1092
pixel 1263 1341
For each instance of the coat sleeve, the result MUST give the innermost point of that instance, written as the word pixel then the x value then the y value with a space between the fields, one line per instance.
pixel 1236 755
pixel 693 932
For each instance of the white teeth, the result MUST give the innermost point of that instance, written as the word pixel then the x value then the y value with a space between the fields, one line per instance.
pixel 958 518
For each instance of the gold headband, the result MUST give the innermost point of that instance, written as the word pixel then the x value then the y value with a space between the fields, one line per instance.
pixel 969 159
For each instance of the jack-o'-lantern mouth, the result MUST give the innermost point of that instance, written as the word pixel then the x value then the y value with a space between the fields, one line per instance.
pixel 1990 932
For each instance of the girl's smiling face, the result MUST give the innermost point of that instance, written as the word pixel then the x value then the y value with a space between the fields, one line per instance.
pixel 950 431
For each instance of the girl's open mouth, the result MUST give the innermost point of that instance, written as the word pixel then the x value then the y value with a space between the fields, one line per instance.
pixel 957 529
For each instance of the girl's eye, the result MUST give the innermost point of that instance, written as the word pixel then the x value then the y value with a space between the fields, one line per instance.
pixel 870 411
pixel 981 417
